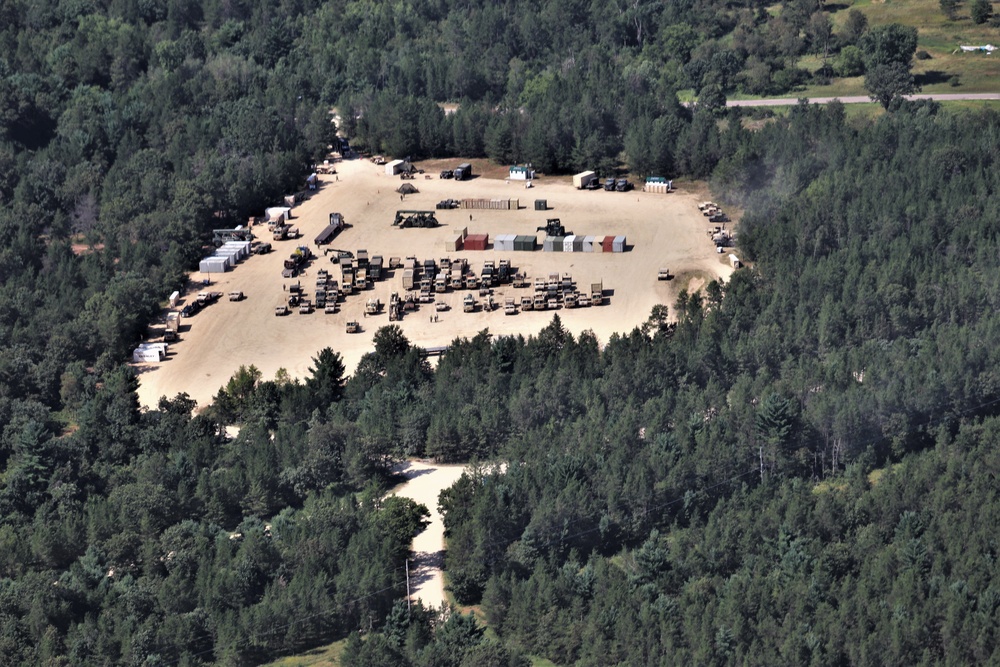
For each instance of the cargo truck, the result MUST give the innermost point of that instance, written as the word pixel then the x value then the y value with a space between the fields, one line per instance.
pixel 584 179
pixel 463 172
pixel 408 279
pixel 597 293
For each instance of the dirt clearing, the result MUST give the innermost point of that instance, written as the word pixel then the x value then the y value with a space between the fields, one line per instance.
pixel 662 230
pixel 424 483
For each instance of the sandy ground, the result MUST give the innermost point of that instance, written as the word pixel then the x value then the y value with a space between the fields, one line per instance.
pixel 661 230
pixel 424 483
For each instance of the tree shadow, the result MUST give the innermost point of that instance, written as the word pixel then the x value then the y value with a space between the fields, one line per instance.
pixel 423 566
pixel 931 77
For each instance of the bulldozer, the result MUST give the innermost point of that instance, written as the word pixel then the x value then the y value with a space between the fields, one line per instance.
pixel 553 227
pixel 405 219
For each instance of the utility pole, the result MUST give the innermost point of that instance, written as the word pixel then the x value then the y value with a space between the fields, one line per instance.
pixel 407 565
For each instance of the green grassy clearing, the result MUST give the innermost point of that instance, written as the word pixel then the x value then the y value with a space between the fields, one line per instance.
pixel 324 656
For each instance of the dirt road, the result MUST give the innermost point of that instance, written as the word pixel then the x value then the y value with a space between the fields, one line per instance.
pixel 424 482
pixel 860 99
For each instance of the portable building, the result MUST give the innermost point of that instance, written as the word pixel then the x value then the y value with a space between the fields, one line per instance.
pixel 541 204
pixel 588 244
pixel 618 245
pixel 477 241
pixel 735 261
pixel 598 244
pixel 608 244
pixel 393 168
pixel 568 243
pixel 454 243
pixel 521 173
pixel 583 179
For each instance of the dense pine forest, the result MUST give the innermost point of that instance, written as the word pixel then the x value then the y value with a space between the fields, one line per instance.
pixel 801 471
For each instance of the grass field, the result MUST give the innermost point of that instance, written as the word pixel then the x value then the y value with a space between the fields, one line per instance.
pixel 324 656
pixel 939 37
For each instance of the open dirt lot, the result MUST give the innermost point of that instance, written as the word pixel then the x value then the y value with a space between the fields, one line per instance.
pixel 661 231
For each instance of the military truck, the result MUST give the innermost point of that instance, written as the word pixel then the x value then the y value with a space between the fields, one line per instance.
pixel 469 303
pixel 609 184
pixel 305 307
pixel 539 302
pixel 663 274
pixel 395 307
pixel 597 293
pixel 527 303
pixel 488 275
pixel 373 306
pixel 281 310
pixel 353 327
pixel 205 298
pixel 503 271
pixel 508 306
pixel 623 185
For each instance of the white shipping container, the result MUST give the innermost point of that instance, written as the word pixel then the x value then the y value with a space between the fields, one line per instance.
pixel 278 213
pixel 568 243
pixel 141 356
pixel 213 265
pixel 173 299
pixel 619 244
pixel 548 245
pixel 228 260
pixel 588 244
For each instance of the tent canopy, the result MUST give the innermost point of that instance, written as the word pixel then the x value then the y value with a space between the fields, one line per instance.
pixel 407 189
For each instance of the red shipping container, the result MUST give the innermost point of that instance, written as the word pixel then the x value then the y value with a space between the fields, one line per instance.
pixel 476 241
pixel 608 244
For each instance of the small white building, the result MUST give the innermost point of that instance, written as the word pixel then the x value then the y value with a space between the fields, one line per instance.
pixel 393 168
pixel 518 173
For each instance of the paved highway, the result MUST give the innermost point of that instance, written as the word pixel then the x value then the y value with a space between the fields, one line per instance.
pixel 860 99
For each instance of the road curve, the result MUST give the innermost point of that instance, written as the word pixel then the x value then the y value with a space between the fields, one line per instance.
pixel 859 99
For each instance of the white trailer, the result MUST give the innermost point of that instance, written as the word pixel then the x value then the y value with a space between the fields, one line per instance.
pixel 583 179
